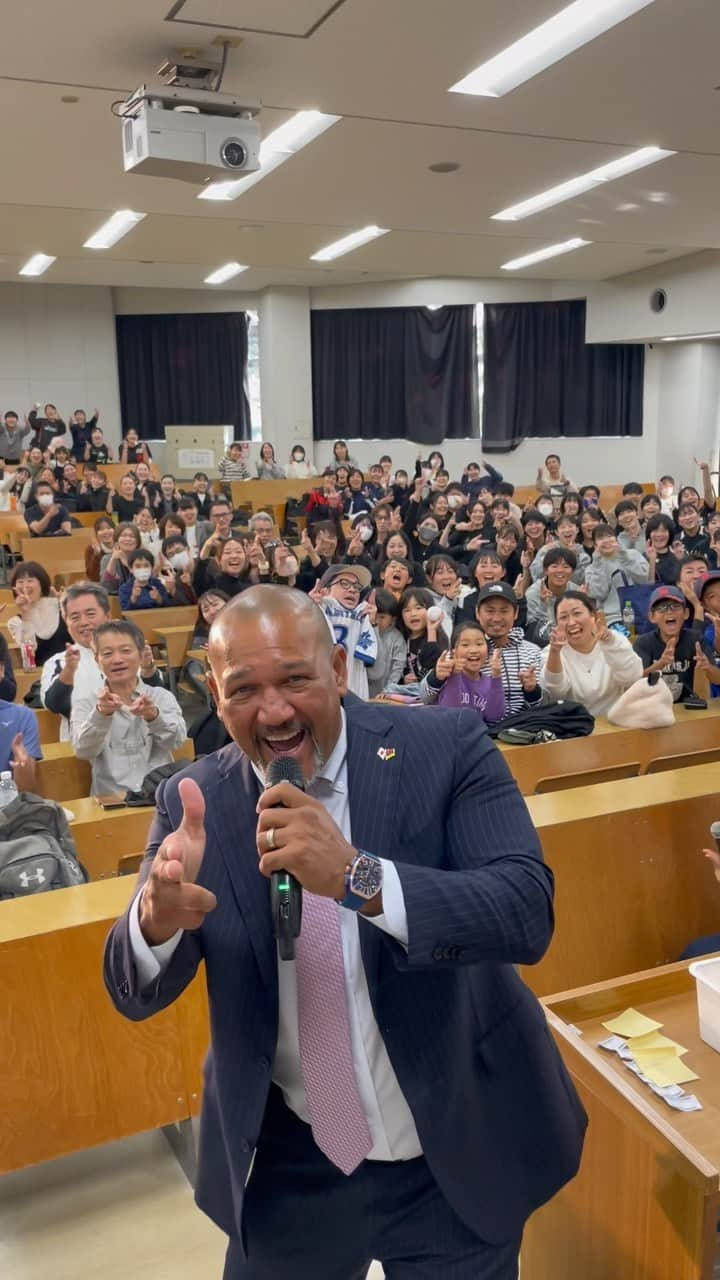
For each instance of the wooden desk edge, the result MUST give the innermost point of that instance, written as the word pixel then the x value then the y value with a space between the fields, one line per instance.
pixel 98 901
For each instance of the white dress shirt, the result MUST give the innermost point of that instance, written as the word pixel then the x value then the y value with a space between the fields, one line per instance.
pixel 389 1118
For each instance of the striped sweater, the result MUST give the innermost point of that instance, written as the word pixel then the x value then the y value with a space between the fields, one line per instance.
pixel 516 655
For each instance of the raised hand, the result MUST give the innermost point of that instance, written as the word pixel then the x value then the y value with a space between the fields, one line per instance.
pixel 702 662
pixel 395 519
pixel 72 660
pixel 108 703
pixel 155 595
pixel 144 708
pixel 558 638
pixel 445 665
pixel 528 680
pixel 496 665
pixel 602 631
pixel 135 593
pixel 306 542
pixel 318 593
pixel 171 898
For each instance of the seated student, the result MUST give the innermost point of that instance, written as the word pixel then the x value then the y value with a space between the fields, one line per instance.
pixel 399 547
pixel 473 478
pixel 458 679
pixel 448 589
pixel 93 492
pixel 38 623
pixel 321 550
pixel 146 488
pixel 590 495
pixel 168 497
pixel 355 499
pixel 650 506
pixel 19 744
pixel 201 494
pixel 222 566
pixel 712 528
pixel 384 522
pixel 97 452
pixel 34 459
pixel 233 465
pixel 46 517
pixel 150 536
pixel 585 661
pixel 400 490
pixel 362 537
pixel 589 520
pixel 535 529
pixel 176 570
pixel 631 535
pixel 196 531
pixel 351 622
pixel 282 565
pixel 298 467
pixel 425 637
pixel 85 607
pixel 612 569
pixel 114 567
pixel 497 612
pixel 17 487
pixel 128 728
pixel 542 597
pixel 633 492
pixel 125 504
pixel 395 575
pixel 708 593
pixel 692 534
pixel 81 429
pixel 692 571
pixel 689 493
pixel 672 649
pixel 134 450
pixel 374 488
pixel 571 505
pixel 8 685
pixel 485 568
pixel 12 436
pixel 221 522
pixel 325 503
pixel 389 665
pixel 143 589
pixel 568 533
pixel 508 545
pixel 546 507
pixel 209 606
pixel 662 560
pixel 49 430
pixel 68 487
pixel 462 537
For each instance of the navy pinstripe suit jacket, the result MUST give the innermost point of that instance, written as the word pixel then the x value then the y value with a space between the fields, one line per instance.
pixel 499 1121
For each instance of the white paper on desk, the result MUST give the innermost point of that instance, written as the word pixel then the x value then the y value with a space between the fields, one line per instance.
pixel 668 1091
pixel 613 1044
pixel 687 1103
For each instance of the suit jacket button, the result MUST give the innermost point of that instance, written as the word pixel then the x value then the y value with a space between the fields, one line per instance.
pixel 437 953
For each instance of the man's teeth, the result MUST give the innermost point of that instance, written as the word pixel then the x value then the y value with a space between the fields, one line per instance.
pixel 284 737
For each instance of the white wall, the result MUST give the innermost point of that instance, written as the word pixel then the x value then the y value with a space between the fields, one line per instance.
pixel 619 310
pixel 57 343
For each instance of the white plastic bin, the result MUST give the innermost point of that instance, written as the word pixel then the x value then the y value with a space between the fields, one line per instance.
pixel 707 981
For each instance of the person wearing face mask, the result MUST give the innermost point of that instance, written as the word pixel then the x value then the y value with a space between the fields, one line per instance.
pixel 546 507
pixel 298 467
pixel 283 566
pixel 176 570
pixel 47 518
pixel 143 590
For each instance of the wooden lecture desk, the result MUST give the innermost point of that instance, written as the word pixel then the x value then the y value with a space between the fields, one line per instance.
pixel 632 888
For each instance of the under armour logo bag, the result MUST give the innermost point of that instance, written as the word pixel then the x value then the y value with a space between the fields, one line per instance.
pixel 37 852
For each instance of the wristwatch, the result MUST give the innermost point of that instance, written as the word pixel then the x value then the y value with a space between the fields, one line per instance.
pixel 363 880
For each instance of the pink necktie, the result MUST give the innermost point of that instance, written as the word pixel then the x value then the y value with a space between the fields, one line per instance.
pixel 338 1120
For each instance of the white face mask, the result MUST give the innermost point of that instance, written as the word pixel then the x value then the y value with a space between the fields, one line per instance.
pixel 180 560
pixel 427 533
pixel 366 533
pixel 45 499
pixel 297 457
pixel 546 510
pixel 142 575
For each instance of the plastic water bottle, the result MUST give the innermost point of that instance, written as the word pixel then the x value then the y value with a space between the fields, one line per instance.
pixel 628 618
pixel 8 790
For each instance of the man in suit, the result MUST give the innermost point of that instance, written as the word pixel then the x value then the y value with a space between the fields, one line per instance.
pixel 393 1092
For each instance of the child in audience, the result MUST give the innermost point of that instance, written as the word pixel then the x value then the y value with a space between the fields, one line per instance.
pixel 176 570
pixel 672 649
pixel 392 648
pixel 508 544
pixel 534 528
pixel 81 428
pixel 692 570
pixel 448 588
pixel 692 534
pixel 133 449
pixel 125 504
pixel 612 569
pixel 585 660
pixel 568 534
pixel 298 467
pixel 93 493
pixel 233 466
pixel 325 503
pixel 267 467
pixel 571 504
pixel 356 499
pixel 202 494
pixel 350 620
pixel 143 589
pixel 649 506
pixel 559 566
pixel 101 545
pixel 114 566
pixel 631 536
pixel 395 576
pixel 96 451
pixel 663 564
pixel 424 635
pixel 708 592
pixel 497 612
pixel 128 728
pixel 458 679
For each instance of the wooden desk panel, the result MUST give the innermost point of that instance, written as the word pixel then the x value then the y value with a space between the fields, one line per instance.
pixel 645 1203
pixel 631 886
pixel 103 836
pixel 75 1073
pixel 609 745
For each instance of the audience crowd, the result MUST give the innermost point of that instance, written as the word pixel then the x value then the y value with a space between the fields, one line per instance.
pixel 440 587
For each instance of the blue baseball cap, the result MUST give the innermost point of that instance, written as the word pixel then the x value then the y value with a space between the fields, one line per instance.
pixel 666 593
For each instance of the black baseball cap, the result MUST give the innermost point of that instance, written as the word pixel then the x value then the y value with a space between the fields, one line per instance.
pixel 497 591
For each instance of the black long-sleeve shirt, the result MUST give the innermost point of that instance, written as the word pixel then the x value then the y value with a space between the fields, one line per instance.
pixel 8 687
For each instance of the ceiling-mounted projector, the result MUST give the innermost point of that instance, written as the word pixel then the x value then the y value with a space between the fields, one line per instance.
pixel 189 134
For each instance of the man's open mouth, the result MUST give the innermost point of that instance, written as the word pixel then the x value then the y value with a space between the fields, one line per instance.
pixel 285 744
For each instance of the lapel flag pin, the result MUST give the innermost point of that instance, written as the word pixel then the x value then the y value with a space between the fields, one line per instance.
pixel 386 753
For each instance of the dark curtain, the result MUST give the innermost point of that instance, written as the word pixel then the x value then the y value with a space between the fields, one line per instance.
pixel 542 380
pixel 183 369
pixel 395 372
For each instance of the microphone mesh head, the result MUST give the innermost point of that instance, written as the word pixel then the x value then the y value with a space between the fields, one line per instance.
pixel 287 769
pixel 715 830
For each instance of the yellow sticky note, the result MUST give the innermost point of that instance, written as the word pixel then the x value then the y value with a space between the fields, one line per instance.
pixel 669 1071
pixel 654 1040
pixel 631 1023
pixel 649 1057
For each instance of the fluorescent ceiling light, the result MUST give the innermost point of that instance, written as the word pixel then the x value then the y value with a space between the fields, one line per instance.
pixel 584 182
pixel 550 251
pixel 114 229
pixel 36 265
pixel 225 273
pixel 561 35
pixel 279 146
pixel 691 337
pixel 348 243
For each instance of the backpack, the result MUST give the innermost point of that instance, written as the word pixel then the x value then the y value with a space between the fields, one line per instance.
pixel 37 851
pixel 544 722
pixel 150 783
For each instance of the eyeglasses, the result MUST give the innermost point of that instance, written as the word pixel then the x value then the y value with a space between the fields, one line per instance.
pixel 668 606
pixel 348 584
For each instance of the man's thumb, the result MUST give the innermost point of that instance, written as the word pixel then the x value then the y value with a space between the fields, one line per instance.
pixel 193 805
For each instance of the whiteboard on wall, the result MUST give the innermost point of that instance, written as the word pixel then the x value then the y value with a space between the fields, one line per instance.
pixel 196 448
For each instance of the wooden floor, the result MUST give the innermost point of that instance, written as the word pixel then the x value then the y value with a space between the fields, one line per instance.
pixel 120 1212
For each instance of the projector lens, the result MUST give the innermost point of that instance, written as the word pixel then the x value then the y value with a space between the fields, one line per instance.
pixel 233 153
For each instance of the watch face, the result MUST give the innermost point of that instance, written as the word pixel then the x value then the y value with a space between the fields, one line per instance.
pixel 367 877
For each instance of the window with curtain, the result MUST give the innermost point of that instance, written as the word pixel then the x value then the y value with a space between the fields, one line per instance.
pixel 389 372
pixel 183 369
pixel 541 379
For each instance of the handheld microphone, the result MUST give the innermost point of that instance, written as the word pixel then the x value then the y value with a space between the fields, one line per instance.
pixel 715 835
pixel 285 890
